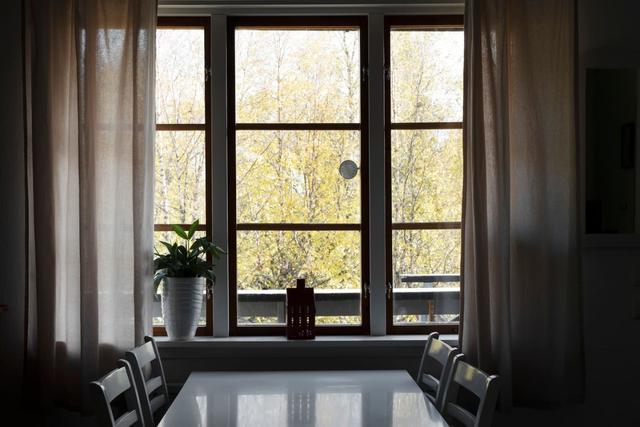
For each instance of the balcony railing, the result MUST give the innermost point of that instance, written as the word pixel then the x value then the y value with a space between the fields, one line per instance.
pixel 425 302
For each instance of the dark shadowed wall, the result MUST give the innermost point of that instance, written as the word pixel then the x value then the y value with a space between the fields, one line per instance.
pixel 609 37
pixel 12 196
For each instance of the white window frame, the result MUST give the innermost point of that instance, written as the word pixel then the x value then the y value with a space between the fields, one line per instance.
pixel 375 10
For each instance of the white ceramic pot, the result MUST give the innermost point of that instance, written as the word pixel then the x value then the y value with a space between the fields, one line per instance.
pixel 181 306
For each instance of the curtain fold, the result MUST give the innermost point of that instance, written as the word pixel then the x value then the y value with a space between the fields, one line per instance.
pixel 522 300
pixel 90 70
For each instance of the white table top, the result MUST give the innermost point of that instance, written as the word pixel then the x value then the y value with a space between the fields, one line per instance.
pixel 301 398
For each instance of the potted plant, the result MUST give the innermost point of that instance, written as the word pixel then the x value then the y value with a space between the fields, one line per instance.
pixel 184 273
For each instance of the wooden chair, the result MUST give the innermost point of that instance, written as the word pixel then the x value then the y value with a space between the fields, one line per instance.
pixel 109 388
pixel 435 366
pixel 149 378
pixel 483 386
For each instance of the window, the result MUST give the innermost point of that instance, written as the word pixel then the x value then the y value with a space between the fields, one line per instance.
pixel 182 160
pixel 297 110
pixel 424 171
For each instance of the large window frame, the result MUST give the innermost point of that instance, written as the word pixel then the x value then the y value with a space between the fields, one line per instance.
pixel 362 127
pixel 203 22
pixel 422 22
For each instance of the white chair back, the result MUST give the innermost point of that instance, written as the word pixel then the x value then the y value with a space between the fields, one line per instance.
pixel 151 383
pixel 108 388
pixel 483 386
pixel 440 355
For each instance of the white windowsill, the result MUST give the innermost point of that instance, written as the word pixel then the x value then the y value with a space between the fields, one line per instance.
pixel 324 341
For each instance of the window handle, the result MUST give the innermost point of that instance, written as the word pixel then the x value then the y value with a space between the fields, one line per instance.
pixel 365 74
pixel 207 74
pixel 389 290
pixel 367 291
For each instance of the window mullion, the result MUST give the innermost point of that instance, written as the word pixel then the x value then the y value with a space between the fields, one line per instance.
pixel 180 126
pixel 218 118
pixel 426 125
pixel 377 240
pixel 298 126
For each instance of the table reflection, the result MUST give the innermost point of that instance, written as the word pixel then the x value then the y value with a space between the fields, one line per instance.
pixel 298 399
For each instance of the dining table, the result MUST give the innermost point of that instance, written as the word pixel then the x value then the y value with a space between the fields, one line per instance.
pixel 374 398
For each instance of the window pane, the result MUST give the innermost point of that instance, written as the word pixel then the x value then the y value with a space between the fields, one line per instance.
pixel 426 276
pixel 170 237
pixel 180 187
pixel 297 76
pixel 426 76
pixel 180 68
pixel 270 261
pixel 426 180
pixel 292 176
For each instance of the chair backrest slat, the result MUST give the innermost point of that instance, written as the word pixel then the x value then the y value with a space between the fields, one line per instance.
pixel 442 354
pixel 144 353
pixel 153 384
pixel 127 419
pixel 154 394
pixel 431 382
pixel 439 350
pixel 157 402
pixel 482 385
pixel 117 383
pixel 473 379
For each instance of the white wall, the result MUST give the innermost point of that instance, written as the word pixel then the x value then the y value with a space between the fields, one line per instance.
pixel 609 37
pixel 12 194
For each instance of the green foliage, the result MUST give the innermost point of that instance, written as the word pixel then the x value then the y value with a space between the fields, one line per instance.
pixel 188 260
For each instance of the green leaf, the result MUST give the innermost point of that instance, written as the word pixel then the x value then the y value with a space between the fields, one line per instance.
pixel 180 231
pixel 167 245
pixel 193 228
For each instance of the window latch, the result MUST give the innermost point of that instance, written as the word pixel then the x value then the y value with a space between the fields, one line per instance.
pixel 389 290
pixel 387 75
pixel 207 74
pixel 367 291
pixel 365 74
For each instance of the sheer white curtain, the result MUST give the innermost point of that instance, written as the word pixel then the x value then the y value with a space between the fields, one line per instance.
pixel 522 315
pixel 90 94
